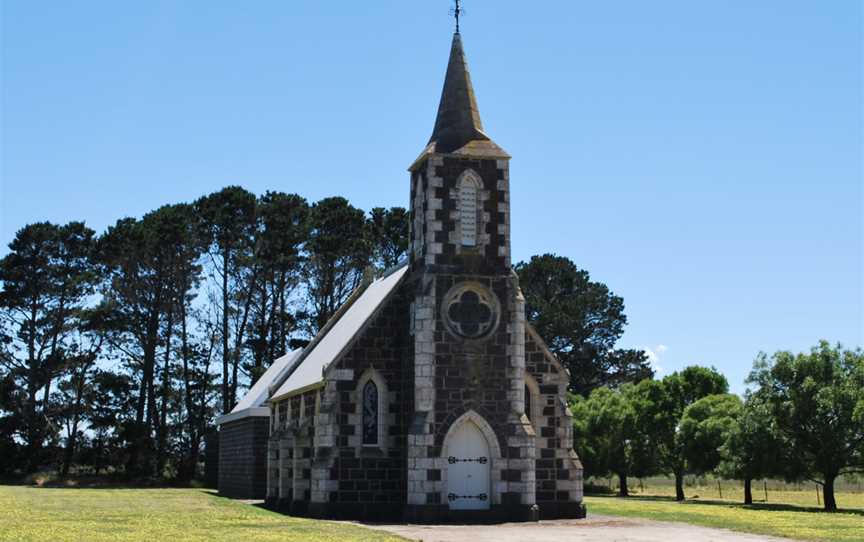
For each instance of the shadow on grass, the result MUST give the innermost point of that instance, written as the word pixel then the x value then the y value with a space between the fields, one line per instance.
pixel 776 507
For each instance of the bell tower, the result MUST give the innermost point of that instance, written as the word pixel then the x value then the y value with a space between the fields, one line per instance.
pixel 468 322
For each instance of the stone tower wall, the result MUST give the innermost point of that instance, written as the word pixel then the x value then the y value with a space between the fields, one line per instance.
pixel 457 376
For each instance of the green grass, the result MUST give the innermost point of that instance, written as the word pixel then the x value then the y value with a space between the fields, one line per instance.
pixel 791 514
pixel 153 515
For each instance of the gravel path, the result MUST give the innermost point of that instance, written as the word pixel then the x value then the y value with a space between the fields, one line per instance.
pixel 594 529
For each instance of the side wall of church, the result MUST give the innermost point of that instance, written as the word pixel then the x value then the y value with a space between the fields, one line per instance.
pixel 558 470
pixel 350 479
pixel 242 457
pixel 289 451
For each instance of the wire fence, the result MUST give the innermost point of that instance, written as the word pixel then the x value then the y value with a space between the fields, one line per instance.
pixel 707 487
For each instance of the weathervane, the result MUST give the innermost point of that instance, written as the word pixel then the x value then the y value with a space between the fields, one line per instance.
pixel 457 12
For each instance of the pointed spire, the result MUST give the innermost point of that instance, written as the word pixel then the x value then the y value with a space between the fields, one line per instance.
pixel 458 122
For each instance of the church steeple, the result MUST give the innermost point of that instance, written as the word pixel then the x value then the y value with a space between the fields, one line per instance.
pixel 460 186
pixel 458 128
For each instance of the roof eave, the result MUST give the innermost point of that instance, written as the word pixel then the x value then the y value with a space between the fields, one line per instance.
pixel 478 150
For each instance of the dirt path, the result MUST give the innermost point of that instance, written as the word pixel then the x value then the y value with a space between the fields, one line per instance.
pixel 594 529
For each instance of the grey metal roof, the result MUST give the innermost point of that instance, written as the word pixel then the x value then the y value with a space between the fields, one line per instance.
pixel 254 402
pixel 328 347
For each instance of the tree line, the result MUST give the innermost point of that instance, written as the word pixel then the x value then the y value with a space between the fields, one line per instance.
pixel 802 418
pixel 117 350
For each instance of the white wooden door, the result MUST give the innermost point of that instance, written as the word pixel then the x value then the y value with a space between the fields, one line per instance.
pixel 468 464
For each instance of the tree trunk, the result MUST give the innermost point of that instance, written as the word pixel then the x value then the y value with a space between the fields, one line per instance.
pixel 151 419
pixel 622 485
pixel 58 326
pixel 828 493
pixel 69 453
pixel 748 491
pixel 226 401
pixel 162 440
pixel 188 401
pixel 679 486
pixel 146 406
pixel 283 337
pixel 239 337
pixel 34 437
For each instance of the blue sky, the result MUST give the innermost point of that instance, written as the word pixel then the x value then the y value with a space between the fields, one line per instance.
pixel 704 159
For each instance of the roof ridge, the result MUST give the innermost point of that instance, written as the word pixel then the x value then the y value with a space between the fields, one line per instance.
pixel 340 312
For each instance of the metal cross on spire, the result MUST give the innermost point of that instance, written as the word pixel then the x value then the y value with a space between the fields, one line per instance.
pixel 457 12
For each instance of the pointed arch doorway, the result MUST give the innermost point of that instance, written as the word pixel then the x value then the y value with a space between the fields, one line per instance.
pixel 469 465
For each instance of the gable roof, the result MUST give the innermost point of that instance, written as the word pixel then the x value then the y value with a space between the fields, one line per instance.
pixel 254 402
pixel 335 338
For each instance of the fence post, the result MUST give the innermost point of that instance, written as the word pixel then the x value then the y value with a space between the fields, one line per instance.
pixel 719 488
pixel 765 487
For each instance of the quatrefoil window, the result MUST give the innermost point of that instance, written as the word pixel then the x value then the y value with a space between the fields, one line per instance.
pixel 471 311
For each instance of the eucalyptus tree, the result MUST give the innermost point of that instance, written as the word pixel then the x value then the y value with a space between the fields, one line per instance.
pixel 608 437
pixel 816 400
pixel 660 407
pixel 705 427
pixel 752 448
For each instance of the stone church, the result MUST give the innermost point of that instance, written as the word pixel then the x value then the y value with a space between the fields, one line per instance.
pixel 427 396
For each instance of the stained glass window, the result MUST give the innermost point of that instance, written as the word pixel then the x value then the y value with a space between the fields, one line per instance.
pixel 527 402
pixel 370 413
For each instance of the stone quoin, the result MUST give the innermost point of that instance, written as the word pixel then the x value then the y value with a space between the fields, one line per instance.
pixel 427 397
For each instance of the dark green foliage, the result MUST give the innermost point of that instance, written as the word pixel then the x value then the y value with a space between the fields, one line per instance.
pixel 153 270
pixel 338 253
pixel 227 222
pixel 607 435
pixel 705 426
pixel 47 277
pixel 108 350
pixel 277 262
pixel 388 230
pixel 816 400
pixel 581 321
pixel 753 448
pixel 660 407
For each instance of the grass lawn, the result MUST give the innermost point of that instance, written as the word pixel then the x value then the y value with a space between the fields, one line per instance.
pixel 153 515
pixel 791 514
